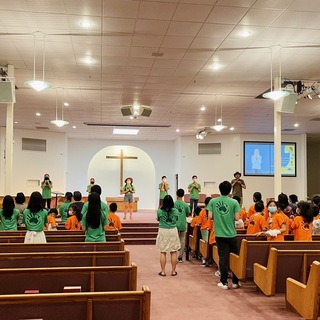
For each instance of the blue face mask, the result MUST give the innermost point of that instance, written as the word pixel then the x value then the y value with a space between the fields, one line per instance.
pixel 272 209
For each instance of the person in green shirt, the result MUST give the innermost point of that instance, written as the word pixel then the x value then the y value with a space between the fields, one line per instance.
pixel 194 189
pixel 163 187
pixel 237 186
pixel 64 207
pixel 104 207
pixel 168 238
pixel 225 211
pixel 89 186
pixel 35 218
pixel 9 216
pixel 46 186
pixel 183 213
pixel 128 190
pixel 94 221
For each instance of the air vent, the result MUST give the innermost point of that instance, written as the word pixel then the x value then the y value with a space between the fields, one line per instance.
pixel 315 119
pixel 288 130
pixel 34 144
pixel 157 54
pixel 42 128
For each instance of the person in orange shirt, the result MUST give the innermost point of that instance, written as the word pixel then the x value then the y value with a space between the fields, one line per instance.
pixel 257 222
pixel 242 222
pixel 302 224
pixel 52 225
pixel 276 225
pixel 285 210
pixel 196 219
pixel 257 196
pixel 114 222
pixel 74 220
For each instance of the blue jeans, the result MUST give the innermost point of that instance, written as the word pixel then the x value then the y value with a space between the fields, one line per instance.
pixel 193 204
pixel 226 246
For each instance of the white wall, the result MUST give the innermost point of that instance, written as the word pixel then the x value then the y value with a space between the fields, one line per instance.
pixel 32 165
pixel 81 151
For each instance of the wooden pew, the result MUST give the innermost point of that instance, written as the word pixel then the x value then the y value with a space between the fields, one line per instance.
pixel 305 299
pixel 258 251
pixel 64 259
pixel 22 231
pixel 62 246
pixel 281 265
pixel 58 238
pixel 121 305
pixel 194 240
pixel 52 280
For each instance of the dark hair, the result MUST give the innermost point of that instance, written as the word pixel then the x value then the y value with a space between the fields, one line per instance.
pixel 94 210
pixel 167 206
pixel 237 198
pixel 259 206
pixel 77 196
pixel 20 198
pixel 8 206
pixel 225 188
pixel 125 181
pixel 97 189
pixel 163 177
pixel 76 210
pixel 283 199
pixel 257 196
pixel 293 198
pixel 316 200
pixel 68 196
pixel 35 202
pixel 180 193
pixel 206 202
pixel 44 177
pixel 194 177
pixel 316 210
pixel 197 211
pixel 53 210
pixel 274 201
pixel 306 211
pixel 113 207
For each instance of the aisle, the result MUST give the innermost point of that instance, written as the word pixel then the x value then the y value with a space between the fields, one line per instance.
pixel 193 293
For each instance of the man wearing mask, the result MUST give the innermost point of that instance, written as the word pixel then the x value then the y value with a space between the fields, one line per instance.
pixel 163 187
pixel 92 182
pixel 194 189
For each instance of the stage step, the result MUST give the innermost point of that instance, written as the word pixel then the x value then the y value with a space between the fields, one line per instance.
pixel 139 233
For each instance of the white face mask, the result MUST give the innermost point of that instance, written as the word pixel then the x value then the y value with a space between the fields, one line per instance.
pixel 194 180
pixel 164 180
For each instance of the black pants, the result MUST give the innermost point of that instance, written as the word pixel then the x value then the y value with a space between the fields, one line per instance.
pixel 193 204
pixel 225 246
pixel 48 201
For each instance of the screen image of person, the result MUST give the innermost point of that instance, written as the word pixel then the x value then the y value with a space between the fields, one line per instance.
pixel 256 160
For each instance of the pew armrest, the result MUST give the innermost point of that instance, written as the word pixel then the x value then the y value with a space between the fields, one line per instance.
pixel 204 248
pixel 238 263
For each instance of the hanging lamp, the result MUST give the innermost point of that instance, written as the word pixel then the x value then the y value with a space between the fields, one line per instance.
pixel 59 122
pixel 220 126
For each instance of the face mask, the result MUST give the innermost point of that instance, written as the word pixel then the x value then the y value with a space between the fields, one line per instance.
pixel 194 180
pixel 164 180
pixel 272 209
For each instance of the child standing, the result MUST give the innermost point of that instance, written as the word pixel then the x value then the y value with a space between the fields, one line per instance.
pixel 114 220
pixel 183 212
pixel 64 207
pixel 74 220
pixel 128 190
pixel 302 224
pixel 9 215
pixel 52 225
pixel 242 222
pixel 257 221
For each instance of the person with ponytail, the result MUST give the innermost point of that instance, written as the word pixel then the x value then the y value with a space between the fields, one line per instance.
pixel 168 238
pixel 302 223
pixel 9 216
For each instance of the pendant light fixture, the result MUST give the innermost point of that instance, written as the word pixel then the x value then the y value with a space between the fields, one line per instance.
pixel 38 85
pixel 220 126
pixel 275 94
pixel 59 123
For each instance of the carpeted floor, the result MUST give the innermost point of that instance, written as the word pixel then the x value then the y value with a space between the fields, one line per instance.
pixel 193 292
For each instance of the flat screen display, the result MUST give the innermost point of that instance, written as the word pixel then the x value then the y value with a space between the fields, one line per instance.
pixel 259 158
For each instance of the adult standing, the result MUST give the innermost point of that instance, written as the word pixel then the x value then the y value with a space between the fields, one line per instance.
pixel 163 187
pixel 194 189
pixel 168 238
pixel 92 182
pixel 237 186
pixel 128 190
pixel 46 186
pixel 225 211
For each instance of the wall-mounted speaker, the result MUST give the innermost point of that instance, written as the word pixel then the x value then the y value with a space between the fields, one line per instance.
pixel 7 94
pixel 287 104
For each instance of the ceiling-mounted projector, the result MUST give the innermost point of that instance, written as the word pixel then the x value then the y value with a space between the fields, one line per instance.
pixel 136 110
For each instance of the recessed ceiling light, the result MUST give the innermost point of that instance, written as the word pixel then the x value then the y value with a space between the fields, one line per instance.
pixel 85 24
pixel 74 127
pixel 16 122
pixel 177 130
pixel 38 114
pixel 88 60
pixel 203 108
pixel 231 128
pixel 214 67
pixel 66 104
pixel 126 131
pixel 219 120
pixel 131 117
pixel 245 33
pixel 296 125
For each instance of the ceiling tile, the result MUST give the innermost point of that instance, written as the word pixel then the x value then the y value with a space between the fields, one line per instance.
pixel 176 42
pixel 147 40
pixel 120 8
pixel 156 10
pixel 183 28
pixel 238 3
pixel 272 4
pixel 259 17
pixel 151 27
pixel 226 15
pixel 194 13
pixel 214 30
pixel 118 25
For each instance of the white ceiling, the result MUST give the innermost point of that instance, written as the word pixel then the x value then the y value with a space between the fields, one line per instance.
pixel 191 34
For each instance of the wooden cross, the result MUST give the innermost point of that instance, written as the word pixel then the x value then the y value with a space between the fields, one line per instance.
pixel 121 157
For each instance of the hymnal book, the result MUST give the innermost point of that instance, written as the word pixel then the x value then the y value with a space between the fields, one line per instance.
pixel 72 289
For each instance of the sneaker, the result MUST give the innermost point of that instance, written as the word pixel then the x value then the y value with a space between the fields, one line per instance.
pixel 180 260
pixel 222 286
pixel 217 273
pixel 236 285
pixel 203 261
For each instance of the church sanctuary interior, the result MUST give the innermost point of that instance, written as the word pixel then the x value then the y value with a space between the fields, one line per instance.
pixel 112 89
